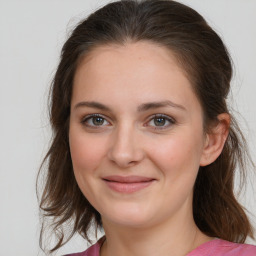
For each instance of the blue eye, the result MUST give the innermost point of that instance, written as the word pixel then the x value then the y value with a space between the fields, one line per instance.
pixel 161 121
pixel 157 122
pixel 94 120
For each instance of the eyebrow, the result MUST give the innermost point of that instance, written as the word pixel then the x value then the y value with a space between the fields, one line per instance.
pixel 92 104
pixel 153 105
pixel 143 107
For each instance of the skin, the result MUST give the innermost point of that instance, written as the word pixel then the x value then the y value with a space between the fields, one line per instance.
pixel 130 142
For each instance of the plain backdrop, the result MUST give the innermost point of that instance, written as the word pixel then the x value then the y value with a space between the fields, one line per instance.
pixel 31 37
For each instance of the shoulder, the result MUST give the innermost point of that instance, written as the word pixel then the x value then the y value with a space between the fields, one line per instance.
pixel 94 250
pixel 237 249
pixel 219 247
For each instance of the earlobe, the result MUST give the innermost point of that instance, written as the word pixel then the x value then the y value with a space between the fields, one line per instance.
pixel 215 140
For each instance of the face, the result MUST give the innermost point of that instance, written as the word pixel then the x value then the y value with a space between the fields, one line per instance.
pixel 136 134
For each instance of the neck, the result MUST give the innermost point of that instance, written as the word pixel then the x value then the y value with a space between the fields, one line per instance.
pixel 174 237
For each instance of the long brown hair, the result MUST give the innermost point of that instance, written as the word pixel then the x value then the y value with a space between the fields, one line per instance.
pixel 207 64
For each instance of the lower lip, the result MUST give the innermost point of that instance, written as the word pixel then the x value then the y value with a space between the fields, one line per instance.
pixel 128 187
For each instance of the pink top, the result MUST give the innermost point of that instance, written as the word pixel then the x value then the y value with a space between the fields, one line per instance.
pixel 216 247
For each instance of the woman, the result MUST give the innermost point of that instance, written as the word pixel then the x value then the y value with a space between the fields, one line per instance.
pixel 144 144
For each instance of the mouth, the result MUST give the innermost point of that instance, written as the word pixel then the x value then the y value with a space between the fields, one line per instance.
pixel 128 184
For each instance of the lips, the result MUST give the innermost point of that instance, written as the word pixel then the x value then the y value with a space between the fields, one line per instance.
pixel 127 184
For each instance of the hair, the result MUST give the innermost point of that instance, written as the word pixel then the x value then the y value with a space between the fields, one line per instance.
pixel 206 62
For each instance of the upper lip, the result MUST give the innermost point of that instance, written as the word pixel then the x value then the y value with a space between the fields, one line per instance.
pixel 127 179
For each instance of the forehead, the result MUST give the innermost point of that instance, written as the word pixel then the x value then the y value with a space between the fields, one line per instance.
pixel 138 72
pixel 145 55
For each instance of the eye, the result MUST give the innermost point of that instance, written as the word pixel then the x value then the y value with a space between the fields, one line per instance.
pixel 94 121
pixel 161 121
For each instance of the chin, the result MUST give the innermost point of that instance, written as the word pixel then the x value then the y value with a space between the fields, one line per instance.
pixel 129 217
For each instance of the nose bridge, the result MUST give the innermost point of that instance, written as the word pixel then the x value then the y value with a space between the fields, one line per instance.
pixel 125 147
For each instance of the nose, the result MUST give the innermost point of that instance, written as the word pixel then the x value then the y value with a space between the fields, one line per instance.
pixel 126 148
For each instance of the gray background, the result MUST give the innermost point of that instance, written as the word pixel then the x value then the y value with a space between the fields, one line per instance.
pixel 32 33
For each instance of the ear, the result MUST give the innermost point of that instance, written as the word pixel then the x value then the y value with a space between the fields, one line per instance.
pixel 215 140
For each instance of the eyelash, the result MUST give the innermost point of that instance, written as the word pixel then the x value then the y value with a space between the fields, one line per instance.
pixel 167 118
pixel 86 118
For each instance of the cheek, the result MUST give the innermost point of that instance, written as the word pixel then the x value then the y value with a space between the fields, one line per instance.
pixel 86 151
pixel 179 155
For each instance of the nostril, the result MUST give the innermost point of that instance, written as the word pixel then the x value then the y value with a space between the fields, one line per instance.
pixel 125 151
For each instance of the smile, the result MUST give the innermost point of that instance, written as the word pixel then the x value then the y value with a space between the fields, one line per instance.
pixel 128 184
